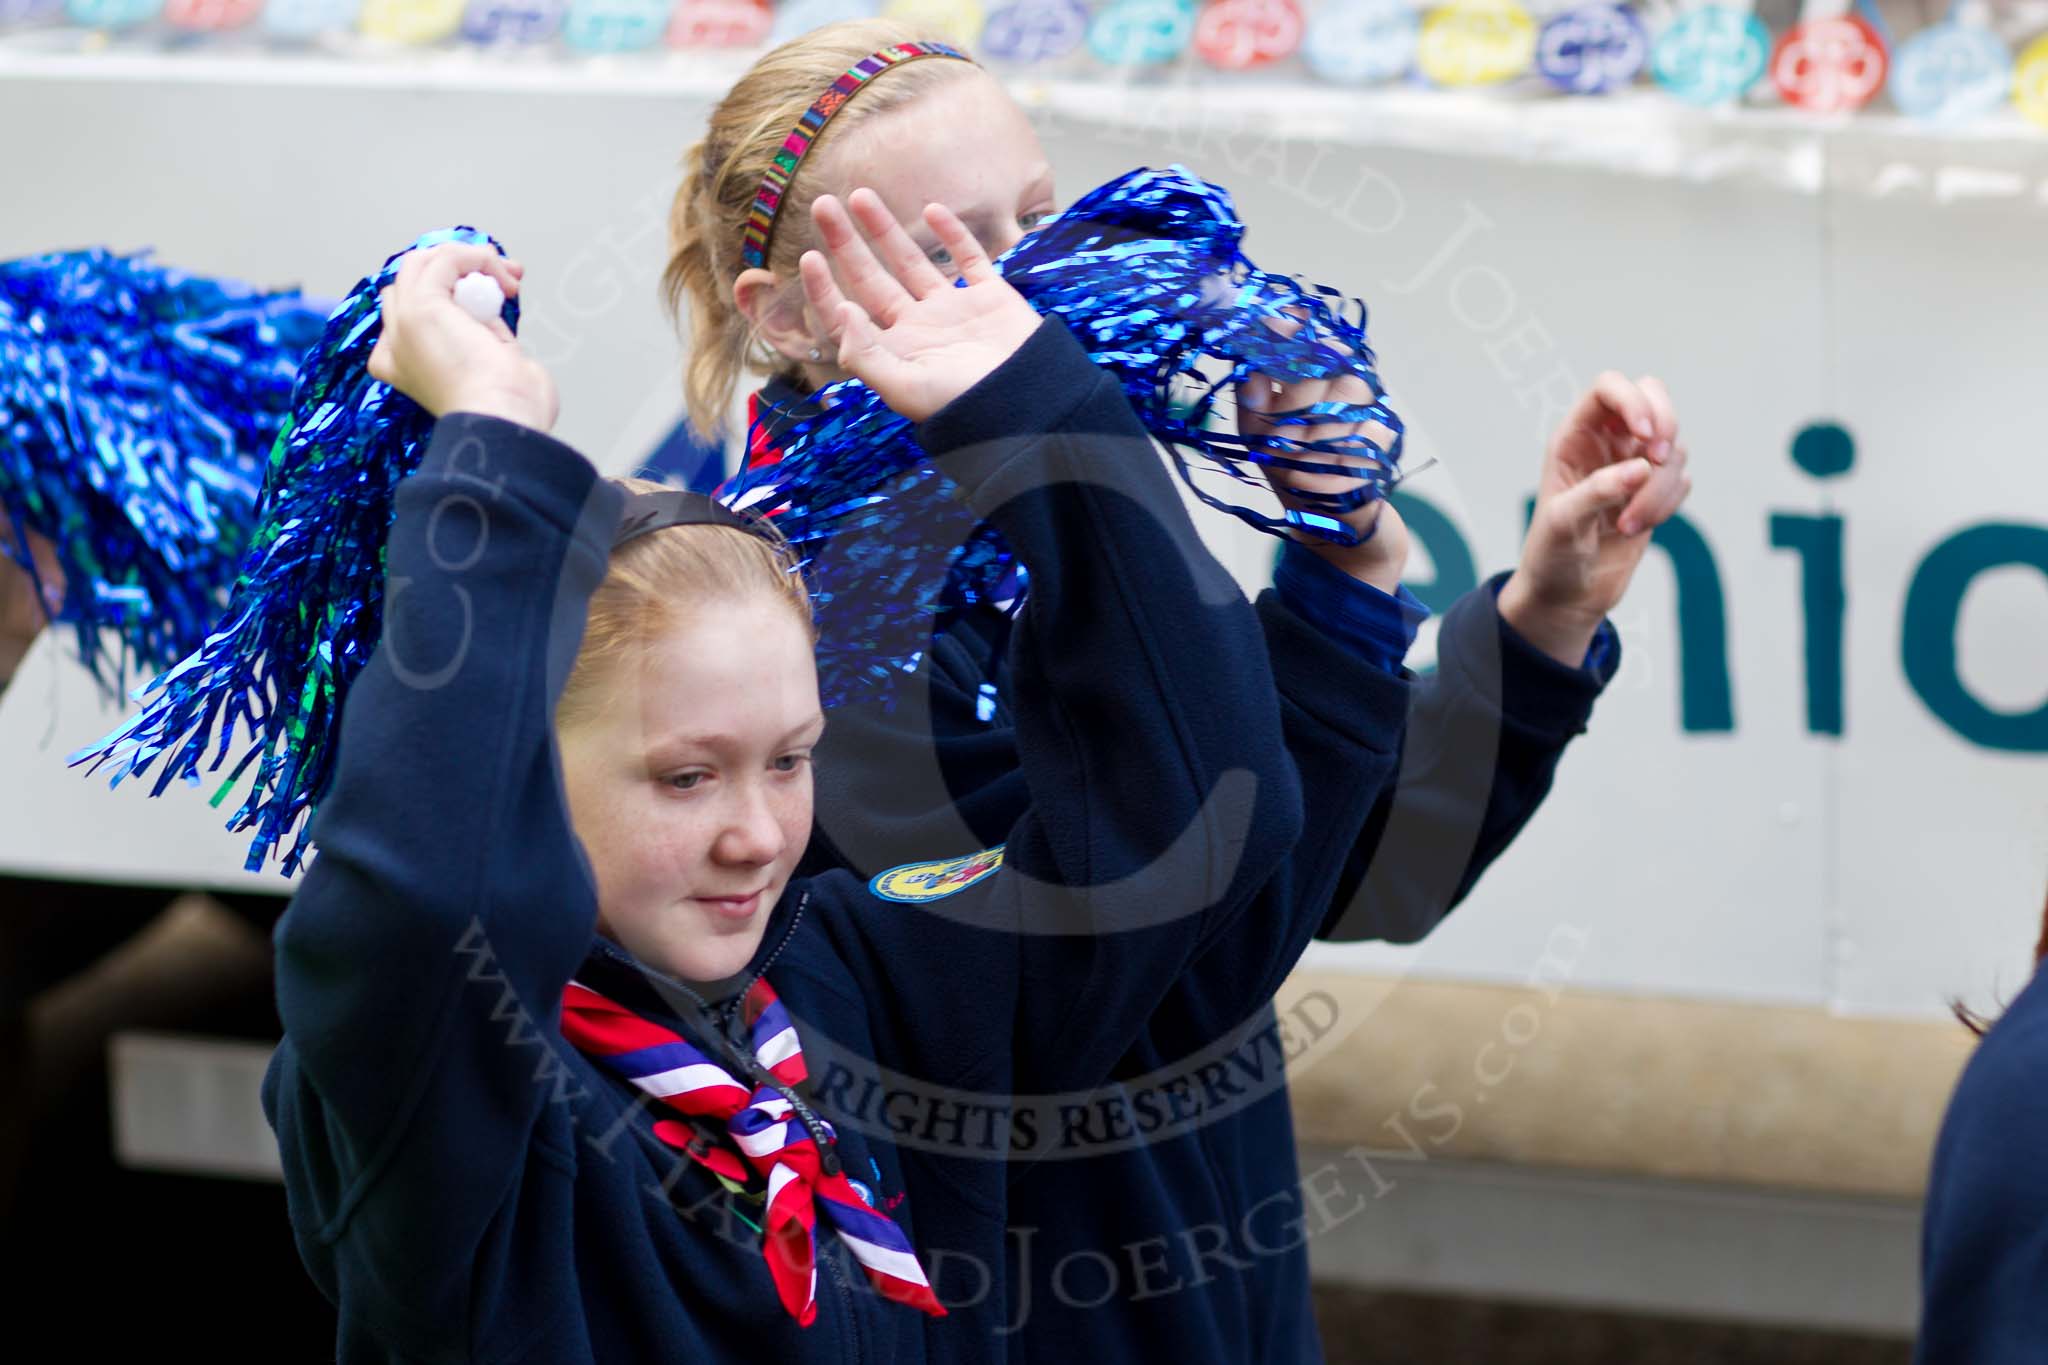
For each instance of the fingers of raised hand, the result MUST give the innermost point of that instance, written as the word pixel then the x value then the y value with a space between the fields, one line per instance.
pixel 507 272
pixel 426 280
pixel 856 331
pixel 1305 481
pixel 1663 418
pixel 1659 497
pixel 867 281
pixel 1638 410
pixel 380 354
pixel 1287 324
pixel 1268 399
pixel 862 352
pixel 438 267
pixel 1625 407
pixel 969 258
pixel 912 265
pixel 821 291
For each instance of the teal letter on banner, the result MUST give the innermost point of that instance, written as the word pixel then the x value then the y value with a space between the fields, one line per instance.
pixel 1934 604
pixel 1818 542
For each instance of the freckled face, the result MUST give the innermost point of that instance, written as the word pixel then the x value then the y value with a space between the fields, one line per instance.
pixel 691 789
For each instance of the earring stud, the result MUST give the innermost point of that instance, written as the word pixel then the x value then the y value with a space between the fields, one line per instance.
pixel 816 354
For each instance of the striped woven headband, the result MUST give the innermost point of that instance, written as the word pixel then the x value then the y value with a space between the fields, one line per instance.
pixel 761 218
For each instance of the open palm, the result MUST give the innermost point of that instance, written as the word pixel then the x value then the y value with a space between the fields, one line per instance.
pixel 1613 474
pixel 902 327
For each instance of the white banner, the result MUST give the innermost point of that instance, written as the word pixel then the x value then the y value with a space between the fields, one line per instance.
pixel 1818 778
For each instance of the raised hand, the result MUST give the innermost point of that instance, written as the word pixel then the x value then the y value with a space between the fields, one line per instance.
pixel 901 327
pixel 432 351
pixel 1613 474
pixel 1379 560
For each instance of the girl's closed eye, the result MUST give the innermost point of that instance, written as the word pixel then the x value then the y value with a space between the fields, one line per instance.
pixel 684 782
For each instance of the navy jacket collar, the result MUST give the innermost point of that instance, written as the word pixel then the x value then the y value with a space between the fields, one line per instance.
pixel 694 1010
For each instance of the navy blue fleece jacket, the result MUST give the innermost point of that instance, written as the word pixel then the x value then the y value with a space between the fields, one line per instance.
pixel 1984 1245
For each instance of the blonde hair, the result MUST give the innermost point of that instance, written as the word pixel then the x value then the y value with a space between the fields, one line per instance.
pixel 722 174
pixel 656 580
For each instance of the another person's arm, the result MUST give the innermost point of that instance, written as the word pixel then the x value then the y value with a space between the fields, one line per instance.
pixel 1520 660
pixel 23 610
pixel 1479 749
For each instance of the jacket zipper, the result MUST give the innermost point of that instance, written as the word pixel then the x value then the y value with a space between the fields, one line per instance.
pixel 852 1319
pixel 828 1149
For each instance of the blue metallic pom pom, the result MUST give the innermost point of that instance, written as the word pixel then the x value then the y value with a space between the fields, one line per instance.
pixel 137 404
pixel 308 608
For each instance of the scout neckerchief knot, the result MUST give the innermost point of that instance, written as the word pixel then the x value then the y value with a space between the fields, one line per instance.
pixel 1148 273
pixel 137 403
pixel 662 1063
pixel 308 607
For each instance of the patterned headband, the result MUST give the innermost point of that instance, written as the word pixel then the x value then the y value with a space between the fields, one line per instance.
pixel 761 218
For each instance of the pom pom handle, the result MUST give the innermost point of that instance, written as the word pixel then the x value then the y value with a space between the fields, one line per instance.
pixel 480 296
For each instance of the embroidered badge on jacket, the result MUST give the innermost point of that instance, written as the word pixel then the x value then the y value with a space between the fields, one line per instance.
pixel 936 880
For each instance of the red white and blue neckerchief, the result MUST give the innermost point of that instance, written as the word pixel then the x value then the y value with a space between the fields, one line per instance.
pixel 668 1067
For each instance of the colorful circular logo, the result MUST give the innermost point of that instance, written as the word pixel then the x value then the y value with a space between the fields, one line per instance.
pixel 1829 66
pixel 29 11
pixel 113 13
pixel 958 21
pixel 1142 32
pixel 206 16
pixel 799 17
pixel 511 21
pixel 309 18
pixel 614 25
pixel 1479 42
pixel 2030 81
pixel 1711 55
pixel 1951 72
pixel 1361 42
pixel 1237 35
pixel 719 23
pixel 1035 30
pixel 411 21
pixel 1591 50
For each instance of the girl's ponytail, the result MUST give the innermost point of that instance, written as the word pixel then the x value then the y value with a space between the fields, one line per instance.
pixel 694 287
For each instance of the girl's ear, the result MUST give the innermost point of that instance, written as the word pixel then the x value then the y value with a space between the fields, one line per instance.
pixel 777 315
